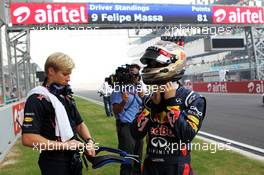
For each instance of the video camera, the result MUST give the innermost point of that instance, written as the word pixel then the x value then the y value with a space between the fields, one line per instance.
pixel 100 93
pixel 121 76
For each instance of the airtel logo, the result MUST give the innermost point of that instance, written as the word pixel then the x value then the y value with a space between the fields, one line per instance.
pixel 41 13
pixel 256 87
pixel 251 86
pixel 18 116
pixel 209 87
pixel 220 15
pixel 217 87
pixel 238 15
pixel 22 14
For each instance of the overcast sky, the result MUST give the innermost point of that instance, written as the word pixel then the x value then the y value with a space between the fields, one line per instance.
pixel 96 53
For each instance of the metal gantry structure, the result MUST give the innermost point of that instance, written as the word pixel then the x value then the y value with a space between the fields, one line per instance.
pixel 255 46
pixel 258 48
pixel 17 72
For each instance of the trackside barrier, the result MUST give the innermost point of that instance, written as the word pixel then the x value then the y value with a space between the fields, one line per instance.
pixel 250 87
pixel 10 130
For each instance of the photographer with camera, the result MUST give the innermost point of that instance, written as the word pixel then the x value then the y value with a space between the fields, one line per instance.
pixel 172 115
pixel 127 101
pixel 52 122
pixel 106 91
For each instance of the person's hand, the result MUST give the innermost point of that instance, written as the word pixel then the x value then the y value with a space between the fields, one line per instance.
pixel 156 97
pixel 125 96
pixel 170 90
pixel 141 94
pixel 90 148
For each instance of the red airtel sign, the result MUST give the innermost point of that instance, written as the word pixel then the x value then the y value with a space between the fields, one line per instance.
pixel 238 15
pixel 251 87
pixel 41 13
pixel 18 115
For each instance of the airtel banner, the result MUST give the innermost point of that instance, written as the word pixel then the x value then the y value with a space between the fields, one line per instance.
pixel 238 15
pixel 252 87
pixel 40 13
pixel 117 13
pixel 18 115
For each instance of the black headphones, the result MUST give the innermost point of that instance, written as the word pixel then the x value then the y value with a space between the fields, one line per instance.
pixel 58 89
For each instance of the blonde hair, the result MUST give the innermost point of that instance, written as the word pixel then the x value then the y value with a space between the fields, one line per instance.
pixel 59 62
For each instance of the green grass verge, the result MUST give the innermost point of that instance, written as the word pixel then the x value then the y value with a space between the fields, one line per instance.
pixel 103 130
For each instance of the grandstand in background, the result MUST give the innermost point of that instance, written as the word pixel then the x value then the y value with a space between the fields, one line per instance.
pixel 206 68
pixel 203 66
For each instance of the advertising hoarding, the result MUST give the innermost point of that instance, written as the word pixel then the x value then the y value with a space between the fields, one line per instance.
pixel 249 87
pixel 107 13
pixel 238 15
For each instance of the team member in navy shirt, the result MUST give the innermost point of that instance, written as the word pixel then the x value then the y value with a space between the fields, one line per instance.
pixel 40 121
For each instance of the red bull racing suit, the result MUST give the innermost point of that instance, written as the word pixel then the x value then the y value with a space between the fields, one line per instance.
pixel 170 127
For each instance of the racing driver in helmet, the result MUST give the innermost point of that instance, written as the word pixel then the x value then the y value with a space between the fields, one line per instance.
pixel 171 116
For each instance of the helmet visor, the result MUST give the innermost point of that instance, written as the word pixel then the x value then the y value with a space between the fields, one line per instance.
pixel 149 55
pixel 156 54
